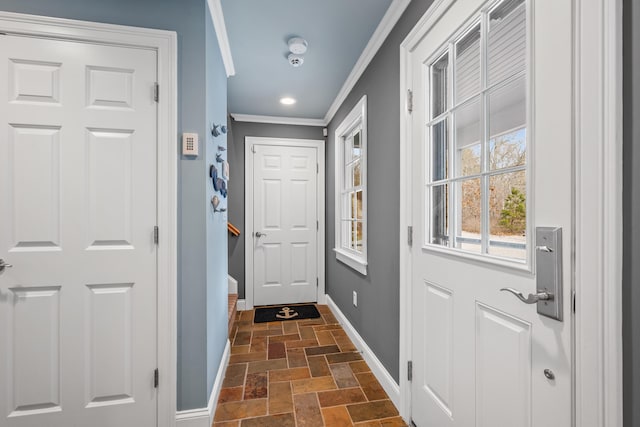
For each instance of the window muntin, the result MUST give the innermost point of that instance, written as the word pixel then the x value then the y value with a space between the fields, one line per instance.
pixel 476 180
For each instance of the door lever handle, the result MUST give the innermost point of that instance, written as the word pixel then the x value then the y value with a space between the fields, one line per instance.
pixel 4 265
pixel 532 298
pixel 259 234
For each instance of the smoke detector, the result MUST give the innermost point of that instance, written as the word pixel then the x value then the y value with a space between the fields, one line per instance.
pixel 295 60
pixel 297 45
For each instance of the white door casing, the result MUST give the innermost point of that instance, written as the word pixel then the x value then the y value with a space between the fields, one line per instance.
pixel 284 221
pixel 479 354
pixel 88 174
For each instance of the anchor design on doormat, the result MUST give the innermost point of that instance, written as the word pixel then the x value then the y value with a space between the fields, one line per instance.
pixel 288 313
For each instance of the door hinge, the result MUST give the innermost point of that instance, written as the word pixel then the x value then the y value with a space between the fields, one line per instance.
pixel 409 101
pixel 410 235
pixel 410 370
pixel 156 378
pixel 317 167
pixel 253 149
pixel 573 301
pixel 317 282
pixel 317 225
pixel 156 92
pixel 156 235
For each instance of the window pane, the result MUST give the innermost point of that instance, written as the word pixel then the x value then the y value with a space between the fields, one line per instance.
pixel 468 234
pixel 358 205
pixel 507 40
pixel 507 126
pixel 345 208
pixel 356 145
pixel 353 235
pixel 358 243
pixel 508 215
pixel 357 174
pixel 440 151
pixel 348 150
pixel 467 71
pixel 467 122
pixel 439 215
pixel 439 86
pixel 352 205
pixel 508 150
pixel 346 234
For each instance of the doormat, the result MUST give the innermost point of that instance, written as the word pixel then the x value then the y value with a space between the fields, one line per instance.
pixel 285 312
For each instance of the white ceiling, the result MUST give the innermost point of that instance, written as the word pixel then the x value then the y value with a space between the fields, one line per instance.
pixel 337 32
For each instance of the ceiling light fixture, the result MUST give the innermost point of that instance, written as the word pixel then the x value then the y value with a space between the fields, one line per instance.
pixel 287 101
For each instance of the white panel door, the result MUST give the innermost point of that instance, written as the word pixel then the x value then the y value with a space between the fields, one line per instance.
pixel 285 261
pixel 77 212
pixel 491 161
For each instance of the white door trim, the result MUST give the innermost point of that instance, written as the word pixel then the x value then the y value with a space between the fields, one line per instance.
pixel 597 208
pixel 249 142
pixel 165 44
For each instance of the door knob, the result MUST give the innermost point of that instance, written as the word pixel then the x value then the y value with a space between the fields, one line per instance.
pixel 259 234
pixel 532 298
pixel 4 265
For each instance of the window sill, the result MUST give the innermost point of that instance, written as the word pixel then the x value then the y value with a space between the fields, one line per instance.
pixel 358 264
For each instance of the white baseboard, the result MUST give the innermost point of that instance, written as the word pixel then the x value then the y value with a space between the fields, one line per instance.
pixel 233 285
pixel 242 305
pixel 386 380
pixel 203 417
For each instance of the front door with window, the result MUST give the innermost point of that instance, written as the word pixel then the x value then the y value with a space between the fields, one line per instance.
pixel 78 303
pixel 491 145
pixel 285 223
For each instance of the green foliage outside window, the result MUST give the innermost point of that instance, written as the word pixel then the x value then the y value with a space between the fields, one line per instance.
pixel 514 212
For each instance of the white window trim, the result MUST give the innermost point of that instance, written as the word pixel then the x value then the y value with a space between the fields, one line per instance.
pixel 357 117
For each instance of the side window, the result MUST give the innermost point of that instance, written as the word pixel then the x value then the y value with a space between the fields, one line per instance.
pixel 476 157
pixel 351 189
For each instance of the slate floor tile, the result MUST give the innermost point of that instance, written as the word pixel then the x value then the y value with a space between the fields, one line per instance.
pixel 301 373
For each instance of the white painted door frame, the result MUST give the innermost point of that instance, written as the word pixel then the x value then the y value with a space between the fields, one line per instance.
pixel 597 167
pixel 165 44
pixel 249 142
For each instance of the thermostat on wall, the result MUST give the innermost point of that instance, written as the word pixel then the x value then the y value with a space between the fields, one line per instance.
pixel 189 144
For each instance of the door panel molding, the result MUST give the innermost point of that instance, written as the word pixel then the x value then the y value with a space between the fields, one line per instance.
pixel 164 43
pixel 250 142
pixel 597 212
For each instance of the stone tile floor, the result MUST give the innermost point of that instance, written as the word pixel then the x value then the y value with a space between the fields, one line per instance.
pixel 299 373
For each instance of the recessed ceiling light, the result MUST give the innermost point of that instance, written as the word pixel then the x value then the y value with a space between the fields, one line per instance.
pixel 287 101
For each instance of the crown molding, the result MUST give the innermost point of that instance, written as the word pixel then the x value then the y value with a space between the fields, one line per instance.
pixel 215 8
pixel 385 26
pixel 297 121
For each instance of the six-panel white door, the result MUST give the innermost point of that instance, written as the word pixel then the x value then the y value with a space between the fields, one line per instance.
pixel 285 261
pixel 77 213
pixel 491 157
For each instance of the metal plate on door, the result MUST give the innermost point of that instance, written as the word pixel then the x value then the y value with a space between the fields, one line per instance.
pixel 549 270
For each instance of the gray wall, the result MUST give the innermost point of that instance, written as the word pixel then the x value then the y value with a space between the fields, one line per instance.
pixel 631 212
pixel 195 282
pixel 377 316
pixel 238 132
